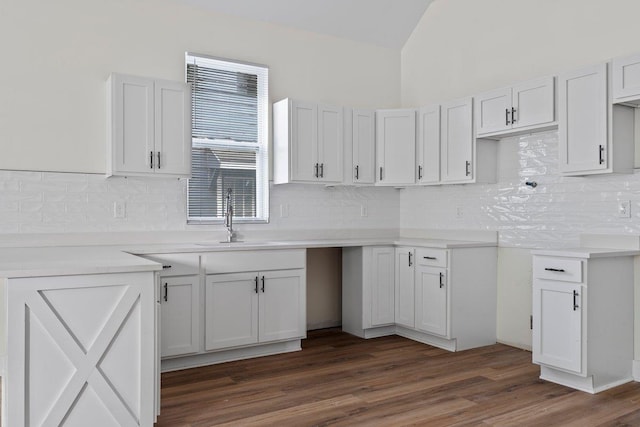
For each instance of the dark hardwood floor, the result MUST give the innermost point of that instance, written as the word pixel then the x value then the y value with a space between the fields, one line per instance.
pixel 342 380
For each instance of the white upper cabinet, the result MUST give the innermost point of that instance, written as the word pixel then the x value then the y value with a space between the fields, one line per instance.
pixel 307 142
pixel 626 79
pixel 395 147
pixel 457 141
pixel 363 137
pixel 524 107
pixel 428 145
pixel 149 127
pixel 594 136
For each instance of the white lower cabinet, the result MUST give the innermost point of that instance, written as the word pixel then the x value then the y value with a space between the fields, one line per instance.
pixel 237 305
pixel 251 308
pixel 583 318
pixel 179 315
pixel 404 287
pixel 432 287
pixel 368 307
pixel 80 350
pixel 445 284
pixel 431 302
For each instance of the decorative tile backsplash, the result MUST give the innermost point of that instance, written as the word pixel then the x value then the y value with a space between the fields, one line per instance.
pixel 43 202
pixel 553 214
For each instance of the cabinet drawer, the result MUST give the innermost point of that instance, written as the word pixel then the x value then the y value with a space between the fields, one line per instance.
pixel 431 257
pixel 262 260
pixel 560 269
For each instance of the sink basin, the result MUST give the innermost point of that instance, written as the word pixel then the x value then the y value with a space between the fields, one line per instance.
pixel 238 243
pixel 221 243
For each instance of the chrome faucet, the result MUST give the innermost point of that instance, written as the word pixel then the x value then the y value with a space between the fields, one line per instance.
pixel 228 217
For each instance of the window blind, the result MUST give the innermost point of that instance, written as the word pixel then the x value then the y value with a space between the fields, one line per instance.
pixel 229 128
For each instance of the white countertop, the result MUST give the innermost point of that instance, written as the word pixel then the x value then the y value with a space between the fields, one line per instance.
pixel 74 260
pixel 37 262
pixel 586 252
pixel 215 246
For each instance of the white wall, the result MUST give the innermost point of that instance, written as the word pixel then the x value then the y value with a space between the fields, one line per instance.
pixel 56 59
pixel 463 47
pixel 57 55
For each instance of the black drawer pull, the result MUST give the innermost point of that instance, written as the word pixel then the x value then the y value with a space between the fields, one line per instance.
pixel 555 270
pixel 430 257
pixel 166 266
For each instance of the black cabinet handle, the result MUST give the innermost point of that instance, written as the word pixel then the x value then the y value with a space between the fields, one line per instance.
pixel 321 170
pixel 316 171
pixel 256 288
pixel 555 270
pixel 441 283
pixel 575 300
pixel 601 154
pixel 357 173
pixel 166 291
pixel 467 170
pixel 430 257
pixel 419 172
pixel 506 117
pixel 151 159
pixel 410 264
pixel 158 160
pixel 513 115
pixel 380 173
pixel 262 284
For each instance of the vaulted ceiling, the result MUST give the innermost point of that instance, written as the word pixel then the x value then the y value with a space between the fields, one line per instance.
pixel 387 23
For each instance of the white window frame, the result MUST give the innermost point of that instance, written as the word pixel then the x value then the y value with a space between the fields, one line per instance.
pixel 261 148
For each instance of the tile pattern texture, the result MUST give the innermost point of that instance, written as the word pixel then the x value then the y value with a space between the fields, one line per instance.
pixel 551 215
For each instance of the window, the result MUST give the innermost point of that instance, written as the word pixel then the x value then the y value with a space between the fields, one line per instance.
pixel 229 130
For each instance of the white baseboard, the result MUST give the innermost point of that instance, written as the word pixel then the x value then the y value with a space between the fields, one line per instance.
pixel 635 370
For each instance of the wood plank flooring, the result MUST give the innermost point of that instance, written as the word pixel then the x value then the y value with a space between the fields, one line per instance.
pixel 341 380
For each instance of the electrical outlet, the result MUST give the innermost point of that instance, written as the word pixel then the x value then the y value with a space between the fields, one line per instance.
pixel 363 211
pixel 284 210
pixel 459 212
pixel 119 209
pixel 624 209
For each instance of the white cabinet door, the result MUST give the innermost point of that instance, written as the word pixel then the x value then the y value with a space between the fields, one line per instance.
pixel 533 103
pixel 557 325
pixel 149 132
pixel 428 150
pixel 493 111
pixel 80 349
pixel 231 310
pixel 626 78
pixel 304 142
pixel 282 307
pixel 131 113
pixel 582 120
pixel 404 283
pixel 330 144
pixel 395 147
pixel 180 319
pixel 457 142
pixel 363 146
pixel 381 286
pixel 432 300
pixel 172 128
